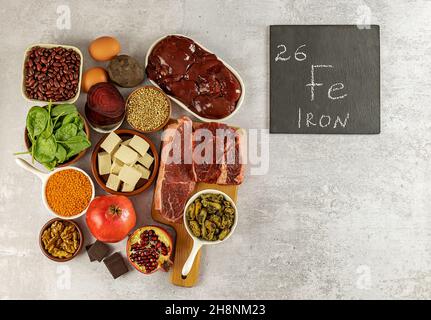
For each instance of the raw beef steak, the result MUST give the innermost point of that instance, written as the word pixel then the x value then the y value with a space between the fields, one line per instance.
pixel 175 181
pixel 223 164
pixel 191 153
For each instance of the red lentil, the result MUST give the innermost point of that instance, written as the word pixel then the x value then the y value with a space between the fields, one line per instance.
pixel 68 192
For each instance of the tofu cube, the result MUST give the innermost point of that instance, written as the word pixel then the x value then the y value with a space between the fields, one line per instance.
pixel 129 175
pixel 113 182
pixel 104 162
pixel 146 160
pixel 126 155
pixel 139 145
pixel 127 187
pixel 126 142
pixel 116 166
pixel 111 143
pixel 145 173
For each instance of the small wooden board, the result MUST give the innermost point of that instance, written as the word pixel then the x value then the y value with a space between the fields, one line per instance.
pixel 184 242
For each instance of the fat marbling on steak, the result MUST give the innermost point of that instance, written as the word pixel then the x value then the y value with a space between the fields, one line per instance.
pixel 191 153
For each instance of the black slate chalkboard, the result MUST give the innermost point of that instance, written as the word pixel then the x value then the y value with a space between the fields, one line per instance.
pixel 325 79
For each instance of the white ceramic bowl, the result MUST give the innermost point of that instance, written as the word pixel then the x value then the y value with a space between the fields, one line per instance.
pixel 198 243
pixel 50 45
pixel 44 177
pixel 185 107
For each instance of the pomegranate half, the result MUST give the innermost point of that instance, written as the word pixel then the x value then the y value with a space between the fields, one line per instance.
pixel 149 249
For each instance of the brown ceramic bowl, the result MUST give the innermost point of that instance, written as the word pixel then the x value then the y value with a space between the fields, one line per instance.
pixel 142 184
pixel 81 240
pixel 74 158
pixel 166 120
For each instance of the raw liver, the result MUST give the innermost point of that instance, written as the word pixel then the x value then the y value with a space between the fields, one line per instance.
pixel 194 76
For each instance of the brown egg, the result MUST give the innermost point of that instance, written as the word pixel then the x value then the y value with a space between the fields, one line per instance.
pixel 104 48
pixel 92 76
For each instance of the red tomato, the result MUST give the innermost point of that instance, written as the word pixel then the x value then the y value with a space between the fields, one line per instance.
pixel 110 218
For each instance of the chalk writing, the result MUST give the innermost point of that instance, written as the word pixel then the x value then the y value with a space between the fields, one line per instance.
pixel 324 79
pixel 299 55
pixel 325 120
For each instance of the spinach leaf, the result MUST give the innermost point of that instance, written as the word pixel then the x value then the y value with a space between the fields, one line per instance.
pixel 37 121
pixel 70 117
pixel 75 145
pixel 50 126
pixel 74 118
pixel 56 133
pixel 79 123
pixel 66 131
pixel 63 109
pixel 56 123
pixel 81 133
pixel 45 148
pixel 61 153
pixel 50 165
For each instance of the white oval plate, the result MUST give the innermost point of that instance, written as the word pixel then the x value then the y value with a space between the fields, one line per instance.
pixel 185 107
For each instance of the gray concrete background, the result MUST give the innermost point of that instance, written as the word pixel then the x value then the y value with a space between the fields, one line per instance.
pixel 335 216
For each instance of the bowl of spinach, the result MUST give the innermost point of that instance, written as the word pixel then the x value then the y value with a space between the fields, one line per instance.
pixel 56 135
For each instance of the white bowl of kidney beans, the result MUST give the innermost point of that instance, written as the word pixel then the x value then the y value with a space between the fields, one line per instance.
pixel 52 72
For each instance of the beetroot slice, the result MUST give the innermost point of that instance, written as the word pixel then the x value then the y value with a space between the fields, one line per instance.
pixel 104 98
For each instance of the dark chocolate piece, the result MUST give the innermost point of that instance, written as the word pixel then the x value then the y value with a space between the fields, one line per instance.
pixel 88 248
pixel 116 265
pixel 97 251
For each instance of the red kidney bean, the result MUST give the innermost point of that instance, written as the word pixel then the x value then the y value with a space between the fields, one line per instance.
pixel 52 73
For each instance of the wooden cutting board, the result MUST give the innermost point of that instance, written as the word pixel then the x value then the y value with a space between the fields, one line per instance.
pixel 184 242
